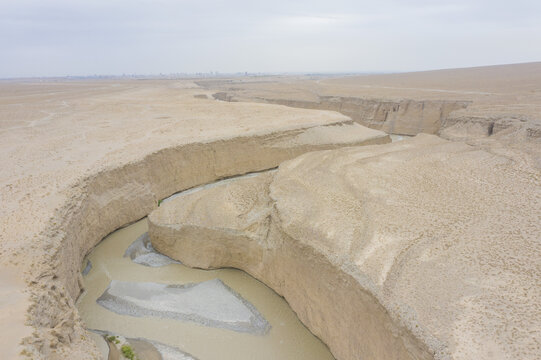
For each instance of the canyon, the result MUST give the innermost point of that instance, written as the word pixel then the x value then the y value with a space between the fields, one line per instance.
pixel 423 248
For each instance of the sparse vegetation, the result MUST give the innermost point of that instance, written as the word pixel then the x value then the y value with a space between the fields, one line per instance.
pixel 159 202
pixel 113 339
pixel 127 351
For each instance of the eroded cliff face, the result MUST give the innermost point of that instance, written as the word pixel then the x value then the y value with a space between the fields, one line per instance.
pixel 235 225
pixel 412 250
pixel 117 196
pixel 464 104
pixel 471 126
pixel 450 119
pixel 401 117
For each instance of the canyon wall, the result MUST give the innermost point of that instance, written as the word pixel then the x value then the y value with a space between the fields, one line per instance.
pixel 118 196
pixel 400 117
pixel 419 249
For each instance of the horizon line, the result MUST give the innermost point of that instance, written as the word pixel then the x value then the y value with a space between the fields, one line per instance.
pixel 218 74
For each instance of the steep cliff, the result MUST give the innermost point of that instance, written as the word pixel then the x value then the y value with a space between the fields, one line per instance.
pixel 413 250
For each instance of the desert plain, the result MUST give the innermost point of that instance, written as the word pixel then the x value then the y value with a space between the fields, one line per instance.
pixel 423 248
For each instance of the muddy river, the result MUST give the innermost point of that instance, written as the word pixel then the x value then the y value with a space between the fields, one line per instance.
pixel 184 313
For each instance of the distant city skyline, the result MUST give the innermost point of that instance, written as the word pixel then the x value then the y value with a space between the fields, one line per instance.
pixel 86 38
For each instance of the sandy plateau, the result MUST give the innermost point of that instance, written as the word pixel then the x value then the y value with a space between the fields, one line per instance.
pixel 426 248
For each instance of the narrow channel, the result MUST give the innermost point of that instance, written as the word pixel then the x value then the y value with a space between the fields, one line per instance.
pixel 279 334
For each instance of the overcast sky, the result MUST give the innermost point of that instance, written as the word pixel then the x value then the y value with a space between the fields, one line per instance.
pixel 71 37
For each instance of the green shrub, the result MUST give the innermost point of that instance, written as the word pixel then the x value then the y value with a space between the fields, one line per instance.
pixel 111 338
pixel 127 351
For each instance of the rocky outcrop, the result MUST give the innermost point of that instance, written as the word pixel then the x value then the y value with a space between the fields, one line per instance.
pixel 466 126
pixel 231 226
pixel 414 250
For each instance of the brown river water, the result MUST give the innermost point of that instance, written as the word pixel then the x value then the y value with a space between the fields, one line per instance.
pixel 286 339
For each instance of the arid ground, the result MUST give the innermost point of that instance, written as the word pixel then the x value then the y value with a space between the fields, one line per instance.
pixel 434 242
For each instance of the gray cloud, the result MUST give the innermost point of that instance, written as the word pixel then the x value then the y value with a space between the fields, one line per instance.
pixel 61 37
